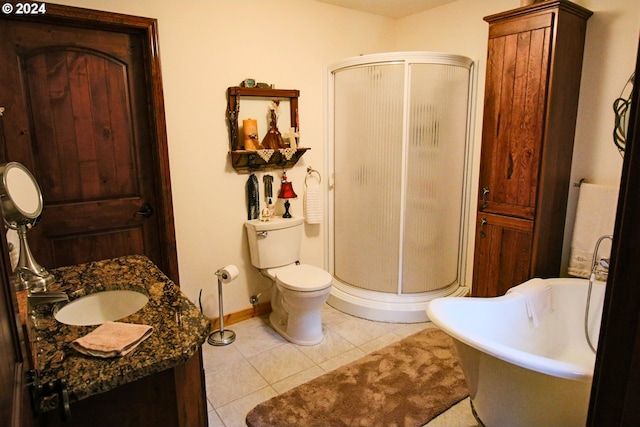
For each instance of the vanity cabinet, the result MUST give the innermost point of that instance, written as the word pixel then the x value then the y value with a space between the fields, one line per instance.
pixel 534 63
pixel 173 397
pixel 160 383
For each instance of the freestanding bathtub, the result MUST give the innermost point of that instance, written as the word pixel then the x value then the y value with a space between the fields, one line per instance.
pixel 522 372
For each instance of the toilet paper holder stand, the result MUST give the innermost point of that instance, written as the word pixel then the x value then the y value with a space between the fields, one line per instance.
pixel 222 336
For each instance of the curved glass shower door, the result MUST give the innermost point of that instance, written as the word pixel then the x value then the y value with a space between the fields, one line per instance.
pixel 368 170
pixel 398 156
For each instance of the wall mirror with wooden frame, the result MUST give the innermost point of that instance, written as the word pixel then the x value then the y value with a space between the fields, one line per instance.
pixel 252 121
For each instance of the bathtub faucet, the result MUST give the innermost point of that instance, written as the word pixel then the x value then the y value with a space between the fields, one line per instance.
pixel 603 262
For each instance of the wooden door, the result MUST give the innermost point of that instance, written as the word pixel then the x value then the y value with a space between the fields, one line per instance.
pixel 502 254
pixel 84 113
pixel 517 70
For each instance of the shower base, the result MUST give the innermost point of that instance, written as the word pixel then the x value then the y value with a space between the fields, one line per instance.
pixel 386 307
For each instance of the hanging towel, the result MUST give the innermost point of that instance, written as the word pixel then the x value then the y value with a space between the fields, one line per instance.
pixel 112 339
pixel 595 217
pixel 253 198
pixel 537 296
pixel 312 204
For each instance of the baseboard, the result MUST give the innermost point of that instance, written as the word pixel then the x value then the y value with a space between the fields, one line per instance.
pixel 239 316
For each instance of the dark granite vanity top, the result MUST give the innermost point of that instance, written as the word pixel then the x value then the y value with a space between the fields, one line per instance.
pixel 179 328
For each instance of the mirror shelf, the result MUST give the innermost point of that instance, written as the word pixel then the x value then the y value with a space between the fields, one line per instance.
pixel 243 159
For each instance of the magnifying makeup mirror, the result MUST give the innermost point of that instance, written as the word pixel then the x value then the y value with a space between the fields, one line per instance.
pixel 21 205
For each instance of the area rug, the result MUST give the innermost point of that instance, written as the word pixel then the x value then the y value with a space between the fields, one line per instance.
pixel 404 384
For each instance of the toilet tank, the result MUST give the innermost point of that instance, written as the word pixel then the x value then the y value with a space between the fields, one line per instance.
pixel 274 243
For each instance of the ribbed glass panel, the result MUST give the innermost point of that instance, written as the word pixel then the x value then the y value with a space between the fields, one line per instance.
pixel 434 176
pixel 399 230
pixel 368 126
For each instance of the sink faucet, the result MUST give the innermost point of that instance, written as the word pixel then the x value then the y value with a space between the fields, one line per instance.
pixel 45 297
pixel 37 283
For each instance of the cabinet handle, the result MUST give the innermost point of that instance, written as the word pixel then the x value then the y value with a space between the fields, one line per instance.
pixel 485 191
pixel 483 222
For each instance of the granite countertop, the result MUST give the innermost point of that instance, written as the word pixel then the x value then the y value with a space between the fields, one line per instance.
pixel 179 328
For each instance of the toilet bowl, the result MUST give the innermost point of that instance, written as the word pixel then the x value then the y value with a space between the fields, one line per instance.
pixel 298 294
pixel 299 290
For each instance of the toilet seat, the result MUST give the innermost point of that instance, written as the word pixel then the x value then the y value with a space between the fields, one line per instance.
pixel 301 277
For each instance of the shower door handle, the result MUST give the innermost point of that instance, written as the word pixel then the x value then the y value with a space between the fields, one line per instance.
pixel 485 191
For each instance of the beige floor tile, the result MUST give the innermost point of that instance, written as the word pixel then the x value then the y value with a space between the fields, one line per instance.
pixel 359 331
pixel 343 359
pixel 331 316
pixel 256 335
pixel 231 382
pixel 459 415
pixel 298 379
pixel 217 357
pixel 214 419
pixel 380 342
pixel 332 345
pixel 235 413
pixel 406 329
pixel 279 363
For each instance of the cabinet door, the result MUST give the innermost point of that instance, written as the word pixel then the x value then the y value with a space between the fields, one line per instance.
pixel 502 254
pixel 515 97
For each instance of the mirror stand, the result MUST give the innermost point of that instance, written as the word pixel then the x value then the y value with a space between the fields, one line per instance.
pixel 21 205
pixel 28 274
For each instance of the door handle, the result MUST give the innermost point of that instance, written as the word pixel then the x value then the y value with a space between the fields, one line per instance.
pixel 483 222
pixel 145 211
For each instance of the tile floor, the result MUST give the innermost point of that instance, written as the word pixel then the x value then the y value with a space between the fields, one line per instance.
pixel 261 364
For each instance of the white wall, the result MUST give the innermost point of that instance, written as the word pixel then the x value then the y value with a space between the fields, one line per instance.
pixel 208 45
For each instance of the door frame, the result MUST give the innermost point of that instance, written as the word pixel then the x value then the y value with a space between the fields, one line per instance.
pixel 148 29
pixel 615 394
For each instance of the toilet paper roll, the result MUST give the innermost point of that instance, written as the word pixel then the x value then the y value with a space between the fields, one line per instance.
pixel 228 273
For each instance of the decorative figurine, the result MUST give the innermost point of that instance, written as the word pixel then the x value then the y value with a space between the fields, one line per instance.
pixel 273 138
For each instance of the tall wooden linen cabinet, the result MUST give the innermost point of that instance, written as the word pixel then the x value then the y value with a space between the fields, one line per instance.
pixel 534 64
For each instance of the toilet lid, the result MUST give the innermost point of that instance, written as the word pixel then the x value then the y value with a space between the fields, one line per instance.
pixel 303 278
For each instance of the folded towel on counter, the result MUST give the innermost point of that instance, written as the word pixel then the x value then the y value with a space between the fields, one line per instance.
pixel 595 217
pixel 537 296
pixel 313 204
pixel 112 339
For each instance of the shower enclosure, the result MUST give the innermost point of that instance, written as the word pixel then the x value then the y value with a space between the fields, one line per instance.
pixel 398 160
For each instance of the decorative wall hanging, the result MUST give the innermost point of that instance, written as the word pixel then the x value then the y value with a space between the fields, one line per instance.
pixel 264 110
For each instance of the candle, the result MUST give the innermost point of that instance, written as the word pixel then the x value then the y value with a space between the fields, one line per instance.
pixel 250 131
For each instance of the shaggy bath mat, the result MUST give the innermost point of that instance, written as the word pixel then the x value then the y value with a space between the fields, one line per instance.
pixel 404 384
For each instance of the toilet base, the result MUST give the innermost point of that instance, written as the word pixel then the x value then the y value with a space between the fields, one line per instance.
pixel 279 324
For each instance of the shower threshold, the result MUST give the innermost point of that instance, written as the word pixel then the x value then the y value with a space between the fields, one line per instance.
pixel 386 307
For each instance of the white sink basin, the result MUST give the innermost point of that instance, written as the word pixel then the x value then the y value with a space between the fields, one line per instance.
pixel 100 307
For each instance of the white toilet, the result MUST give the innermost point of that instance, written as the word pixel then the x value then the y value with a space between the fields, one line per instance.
pixel 299 290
